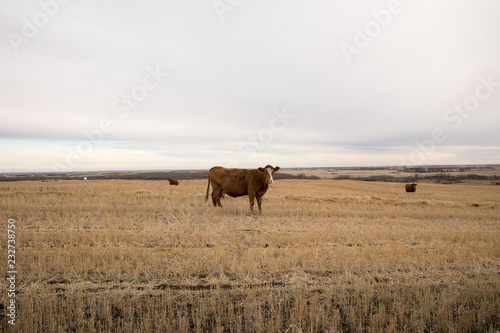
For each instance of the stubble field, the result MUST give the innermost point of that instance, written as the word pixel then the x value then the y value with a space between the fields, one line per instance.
pixel 325 256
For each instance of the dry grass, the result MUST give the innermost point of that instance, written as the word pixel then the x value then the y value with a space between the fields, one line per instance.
pixel 491 171
pixel 325 256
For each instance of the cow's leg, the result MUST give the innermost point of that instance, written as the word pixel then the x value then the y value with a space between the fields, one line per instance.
pixel 259 203
pixel 214 199
pixel 251 198
pixel 220 194
pixel 216 195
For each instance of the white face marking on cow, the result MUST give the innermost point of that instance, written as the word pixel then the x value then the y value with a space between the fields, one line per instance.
pixel 270 171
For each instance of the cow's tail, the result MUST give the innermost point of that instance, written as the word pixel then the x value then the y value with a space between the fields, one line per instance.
pixel 208 188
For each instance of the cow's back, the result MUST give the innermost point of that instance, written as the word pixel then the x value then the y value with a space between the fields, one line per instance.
pixel 234 182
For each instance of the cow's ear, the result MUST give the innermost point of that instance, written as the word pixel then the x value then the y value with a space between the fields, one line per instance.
pixel 276 168
pixel 261 169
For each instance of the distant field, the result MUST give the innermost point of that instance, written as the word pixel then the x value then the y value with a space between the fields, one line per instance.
pixel 325 256
pixel 482 174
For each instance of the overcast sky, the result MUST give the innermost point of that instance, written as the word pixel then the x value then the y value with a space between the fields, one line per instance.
pixel 189 84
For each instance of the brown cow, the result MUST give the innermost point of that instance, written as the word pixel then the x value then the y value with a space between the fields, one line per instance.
pixel 173 181
pixel 411 187
pixel 239 182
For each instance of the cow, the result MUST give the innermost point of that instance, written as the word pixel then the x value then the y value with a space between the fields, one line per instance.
pixel 173 181
pixel 240 182
pixel 411 187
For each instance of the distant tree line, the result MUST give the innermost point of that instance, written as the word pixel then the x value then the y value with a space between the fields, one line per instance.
pixel 438 178
pixel 446 169
pixel 147 175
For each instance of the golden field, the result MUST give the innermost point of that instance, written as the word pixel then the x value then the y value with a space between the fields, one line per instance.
pixel 325 256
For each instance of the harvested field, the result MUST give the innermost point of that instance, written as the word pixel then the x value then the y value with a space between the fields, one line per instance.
pixel 325 256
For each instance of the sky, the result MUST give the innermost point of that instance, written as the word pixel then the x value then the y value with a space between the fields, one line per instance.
pixel 189 84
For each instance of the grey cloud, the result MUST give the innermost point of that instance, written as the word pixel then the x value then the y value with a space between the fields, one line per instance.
pixel 226 77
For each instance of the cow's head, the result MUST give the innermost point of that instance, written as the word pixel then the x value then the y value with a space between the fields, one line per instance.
pixel 269 171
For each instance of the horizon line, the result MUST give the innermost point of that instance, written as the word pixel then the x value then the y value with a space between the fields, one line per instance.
pixel 282 168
